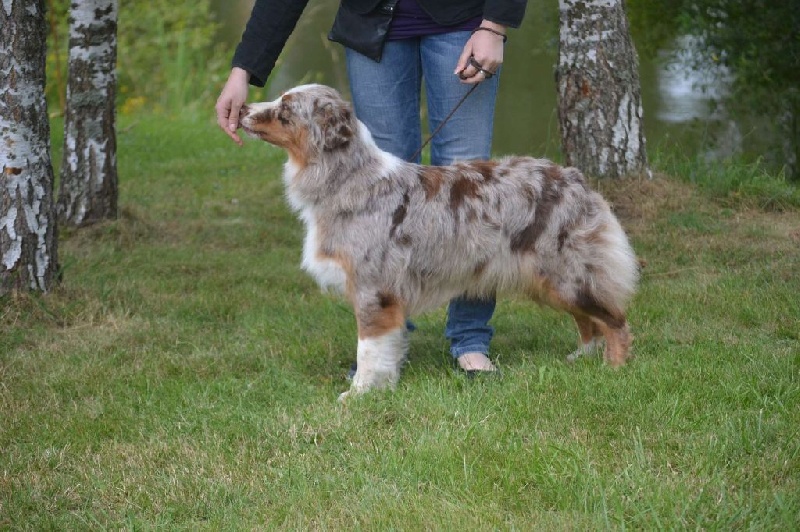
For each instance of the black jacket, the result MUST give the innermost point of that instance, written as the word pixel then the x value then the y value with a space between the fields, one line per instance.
pixel 272 21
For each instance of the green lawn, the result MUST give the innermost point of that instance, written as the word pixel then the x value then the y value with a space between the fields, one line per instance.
pixel 185 375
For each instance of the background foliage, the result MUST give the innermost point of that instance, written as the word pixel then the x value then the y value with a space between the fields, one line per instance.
pixel 758 44
pixel 174 54
pixel 169 54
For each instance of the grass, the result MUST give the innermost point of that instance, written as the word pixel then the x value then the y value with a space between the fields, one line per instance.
pixel 737 184
pixel 185 375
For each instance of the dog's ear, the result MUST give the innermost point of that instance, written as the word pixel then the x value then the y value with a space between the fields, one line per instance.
pixel 336 123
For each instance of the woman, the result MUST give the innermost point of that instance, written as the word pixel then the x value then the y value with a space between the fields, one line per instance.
pixel 392 46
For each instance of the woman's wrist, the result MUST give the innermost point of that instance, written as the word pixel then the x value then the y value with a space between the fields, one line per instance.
pixel 487 26
pixel 238 72
pixel 493 26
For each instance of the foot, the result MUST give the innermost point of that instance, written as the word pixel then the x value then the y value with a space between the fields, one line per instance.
pixel 476 361
pixel 588 349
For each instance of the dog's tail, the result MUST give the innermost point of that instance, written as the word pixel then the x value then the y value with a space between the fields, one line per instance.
pixel 615 271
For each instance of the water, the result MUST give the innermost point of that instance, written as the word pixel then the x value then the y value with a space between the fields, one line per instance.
pixel 676 99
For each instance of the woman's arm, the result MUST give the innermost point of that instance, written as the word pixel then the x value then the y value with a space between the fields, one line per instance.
pixel 270 24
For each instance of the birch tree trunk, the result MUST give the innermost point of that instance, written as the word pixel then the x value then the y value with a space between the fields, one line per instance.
pixel 790 133
pixel 28 239
pixel 88 191
pixel 599 95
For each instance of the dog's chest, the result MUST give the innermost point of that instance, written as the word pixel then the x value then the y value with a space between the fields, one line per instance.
pixel 324 268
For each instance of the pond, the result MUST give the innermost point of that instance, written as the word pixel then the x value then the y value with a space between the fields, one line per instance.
pixel 676 108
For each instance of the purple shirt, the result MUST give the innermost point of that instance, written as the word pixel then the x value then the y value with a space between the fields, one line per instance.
pixel 410 21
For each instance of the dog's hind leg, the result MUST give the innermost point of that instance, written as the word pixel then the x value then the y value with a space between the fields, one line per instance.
pixel 590 337
pixel 618 343
pixel 611 323
pixel 382 342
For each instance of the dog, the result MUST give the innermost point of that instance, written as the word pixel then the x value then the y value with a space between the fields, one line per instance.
pixel 397 238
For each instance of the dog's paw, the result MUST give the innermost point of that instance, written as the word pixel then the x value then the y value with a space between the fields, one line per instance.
pixel 588 349
pixel 350 394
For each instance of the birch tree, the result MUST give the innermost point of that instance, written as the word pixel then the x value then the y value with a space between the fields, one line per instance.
pixel 28 240
pixel 599 94
pixel 88 192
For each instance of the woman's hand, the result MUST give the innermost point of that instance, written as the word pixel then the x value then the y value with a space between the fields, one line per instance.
pixel 230 102
pixel 486 49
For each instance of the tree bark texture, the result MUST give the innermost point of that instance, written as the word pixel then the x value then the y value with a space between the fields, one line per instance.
pixel 599 94
pixel 88 192
pixel 789 127
pixel 28 238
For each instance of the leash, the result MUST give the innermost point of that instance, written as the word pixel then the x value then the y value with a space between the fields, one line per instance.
pixel 443 122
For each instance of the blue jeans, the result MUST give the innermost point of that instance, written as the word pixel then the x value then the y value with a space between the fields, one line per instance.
pixel 387 98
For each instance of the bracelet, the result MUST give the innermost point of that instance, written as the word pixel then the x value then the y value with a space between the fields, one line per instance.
pixel 483 28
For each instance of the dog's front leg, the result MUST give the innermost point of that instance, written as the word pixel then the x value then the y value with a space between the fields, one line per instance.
pixel 382 342
pixel 379 361
pixel 591 337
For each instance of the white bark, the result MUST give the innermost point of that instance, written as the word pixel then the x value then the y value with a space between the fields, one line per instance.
pixel 600 108
pixel 28 244
pixel 88 190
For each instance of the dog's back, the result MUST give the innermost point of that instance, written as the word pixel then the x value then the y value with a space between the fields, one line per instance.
pixel 483 227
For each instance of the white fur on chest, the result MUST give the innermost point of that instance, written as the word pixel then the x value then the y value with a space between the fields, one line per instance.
pixel 327 272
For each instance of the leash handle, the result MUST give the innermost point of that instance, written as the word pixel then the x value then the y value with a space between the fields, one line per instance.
pixel 442 123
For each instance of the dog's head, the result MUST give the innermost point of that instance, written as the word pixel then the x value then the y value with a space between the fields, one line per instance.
pixel 304 121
